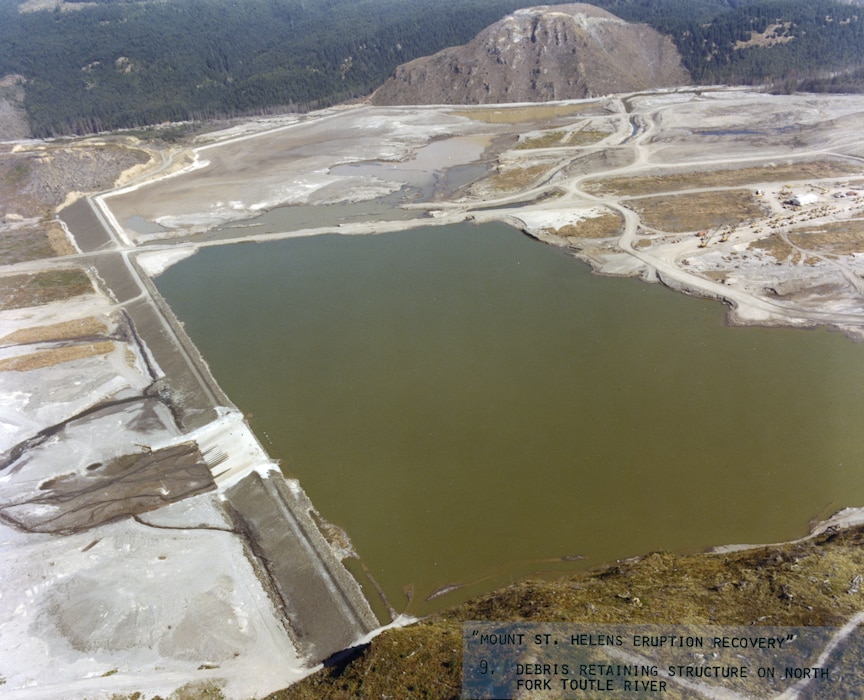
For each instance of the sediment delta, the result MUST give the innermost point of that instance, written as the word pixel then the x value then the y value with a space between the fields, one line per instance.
pixel 127 472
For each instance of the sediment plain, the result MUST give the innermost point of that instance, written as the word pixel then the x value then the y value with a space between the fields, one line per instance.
pixel 127 472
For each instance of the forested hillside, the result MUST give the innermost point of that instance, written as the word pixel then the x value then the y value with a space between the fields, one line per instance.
pixel 756 41
pixel 775 40
pixel 122 63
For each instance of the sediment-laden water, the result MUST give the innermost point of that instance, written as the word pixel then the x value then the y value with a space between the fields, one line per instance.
pixel 472 406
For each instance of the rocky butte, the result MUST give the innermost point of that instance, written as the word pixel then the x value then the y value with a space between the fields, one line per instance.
pixel 549 52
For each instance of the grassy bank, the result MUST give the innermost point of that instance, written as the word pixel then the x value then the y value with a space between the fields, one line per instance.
pixel 805 583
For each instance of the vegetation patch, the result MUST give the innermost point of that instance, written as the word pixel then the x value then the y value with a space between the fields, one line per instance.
pixel 20 243
pixel 66 330
pixel 586 137
pixel 562 139
pixel 421 661
pixel 607 225
pixel 658 184
pixel 773 34
pixel 840 238
pixel 516 178
pixel 202 690
pixel 515 115
pixel 550 140
pixel 777 248
pixel 697 211
pixel 21 291
pixel 851 81
pixel 23 244
pixel 55 356
pixel 810 583
pixel 170 133
pixel 17 174
pixel 59 241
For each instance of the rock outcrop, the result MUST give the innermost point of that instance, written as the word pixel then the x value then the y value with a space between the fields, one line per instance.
pixel 539 54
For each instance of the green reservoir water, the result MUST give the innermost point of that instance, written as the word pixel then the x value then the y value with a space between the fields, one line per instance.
pixel 472 406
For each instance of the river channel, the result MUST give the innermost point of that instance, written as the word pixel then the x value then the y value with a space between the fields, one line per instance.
pixel 472 406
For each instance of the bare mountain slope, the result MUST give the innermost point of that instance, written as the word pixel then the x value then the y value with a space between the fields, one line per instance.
pixel 549 52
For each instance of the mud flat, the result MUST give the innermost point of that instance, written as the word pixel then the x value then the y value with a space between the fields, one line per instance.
pixel 130 401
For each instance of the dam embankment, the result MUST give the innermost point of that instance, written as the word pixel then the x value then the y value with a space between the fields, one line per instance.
pixel 322 606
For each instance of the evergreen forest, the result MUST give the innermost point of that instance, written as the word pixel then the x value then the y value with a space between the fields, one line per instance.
pixel 110 64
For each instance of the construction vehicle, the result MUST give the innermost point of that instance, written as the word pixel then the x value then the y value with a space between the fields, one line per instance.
pixel 706 238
